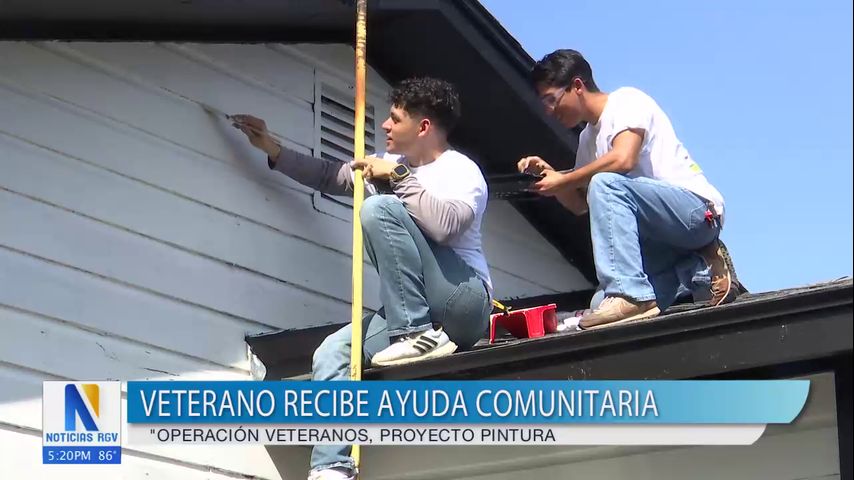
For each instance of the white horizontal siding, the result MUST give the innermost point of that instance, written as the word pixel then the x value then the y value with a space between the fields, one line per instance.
pixel 142 238
pixel 523 263
pixel 90 355
pixel 102 249
pixel 20 414
pixel 144 89
pixel 21 454
pixel 803 450
pixel 119 311
pixel 248 191
pixel 794 456
pixel 797 455
pixel 55 179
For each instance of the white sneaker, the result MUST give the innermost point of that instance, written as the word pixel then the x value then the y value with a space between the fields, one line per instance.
pixel 415 347
pixel 330 474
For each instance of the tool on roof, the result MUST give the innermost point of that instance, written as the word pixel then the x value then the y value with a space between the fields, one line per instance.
pixel 514 186
pixel 530 322
pixel 500 306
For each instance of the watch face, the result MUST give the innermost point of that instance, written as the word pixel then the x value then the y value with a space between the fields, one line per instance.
pixel 400 170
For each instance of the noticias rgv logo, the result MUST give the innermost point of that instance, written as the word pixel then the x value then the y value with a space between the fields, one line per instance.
pixel 76 408
pixel 82 422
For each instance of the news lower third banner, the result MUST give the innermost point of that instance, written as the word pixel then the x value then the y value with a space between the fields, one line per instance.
pixel 460 412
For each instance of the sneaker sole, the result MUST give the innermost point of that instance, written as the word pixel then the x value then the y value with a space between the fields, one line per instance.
pixel 442 351
pixel 737 285
pixel 653 312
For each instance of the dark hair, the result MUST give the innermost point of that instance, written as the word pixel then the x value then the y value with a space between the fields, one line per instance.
pixel 560 68
pixel 429 97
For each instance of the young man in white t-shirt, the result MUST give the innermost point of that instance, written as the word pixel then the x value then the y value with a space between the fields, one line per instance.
pixel 421 224
pixel 654 217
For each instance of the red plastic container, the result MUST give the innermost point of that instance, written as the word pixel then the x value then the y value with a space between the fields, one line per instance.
pixel 532 322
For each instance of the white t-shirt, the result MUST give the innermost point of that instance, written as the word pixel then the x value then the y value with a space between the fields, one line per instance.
pixel 454 176
pixel 662 156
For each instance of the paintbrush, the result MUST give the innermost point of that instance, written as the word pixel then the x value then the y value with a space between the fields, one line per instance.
pixel 237 123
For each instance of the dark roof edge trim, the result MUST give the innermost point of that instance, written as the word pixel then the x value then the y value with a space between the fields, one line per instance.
pixel 824 298
pixel 491 27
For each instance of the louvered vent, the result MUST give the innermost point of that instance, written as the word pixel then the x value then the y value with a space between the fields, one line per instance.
pixel 337 113
pixel 337 118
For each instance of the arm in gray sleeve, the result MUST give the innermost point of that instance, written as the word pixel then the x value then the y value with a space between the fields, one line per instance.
pixel 441 220
pixel 328 176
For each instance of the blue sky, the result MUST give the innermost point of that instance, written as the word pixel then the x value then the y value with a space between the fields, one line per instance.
pixel 759 91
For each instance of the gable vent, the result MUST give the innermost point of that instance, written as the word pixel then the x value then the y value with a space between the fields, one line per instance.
pixel 335 140
pixel 337 114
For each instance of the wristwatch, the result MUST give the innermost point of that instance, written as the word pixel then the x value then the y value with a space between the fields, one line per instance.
pixel 398 173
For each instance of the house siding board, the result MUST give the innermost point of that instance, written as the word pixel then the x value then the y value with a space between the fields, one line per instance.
pixel 123 312
pixel 512 249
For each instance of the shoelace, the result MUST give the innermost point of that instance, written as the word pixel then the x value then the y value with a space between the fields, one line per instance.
pixel 719 285
pixel 414 337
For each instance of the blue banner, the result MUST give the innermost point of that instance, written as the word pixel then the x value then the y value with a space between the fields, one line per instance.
pixel 468 402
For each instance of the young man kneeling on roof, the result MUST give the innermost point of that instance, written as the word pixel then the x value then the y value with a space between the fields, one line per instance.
pixel 654 217
pixel 421 224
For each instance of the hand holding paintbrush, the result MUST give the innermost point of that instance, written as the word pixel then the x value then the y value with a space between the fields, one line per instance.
pixel 256 131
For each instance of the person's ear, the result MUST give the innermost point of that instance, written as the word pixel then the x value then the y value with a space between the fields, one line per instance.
pixel 424 126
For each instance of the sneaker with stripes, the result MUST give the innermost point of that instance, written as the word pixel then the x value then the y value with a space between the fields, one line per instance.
pixel 330 474
pixel 432 343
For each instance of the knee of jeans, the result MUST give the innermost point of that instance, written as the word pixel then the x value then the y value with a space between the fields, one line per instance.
pixel 604 180
pixel 325 354
pixel 374 205
pixel 602 184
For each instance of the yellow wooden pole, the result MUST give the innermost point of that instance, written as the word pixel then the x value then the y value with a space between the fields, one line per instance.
pixel 358 198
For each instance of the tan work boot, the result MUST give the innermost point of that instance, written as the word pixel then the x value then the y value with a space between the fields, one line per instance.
pixel 722 286
pixel 614 310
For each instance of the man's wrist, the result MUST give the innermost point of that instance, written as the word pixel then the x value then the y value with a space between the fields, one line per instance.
pixel 568 179
pixel 398 173
pixel 274 151
pixel 273 157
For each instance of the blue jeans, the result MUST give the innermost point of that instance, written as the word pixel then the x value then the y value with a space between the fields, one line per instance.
pixel 646 234
pixel 421 284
